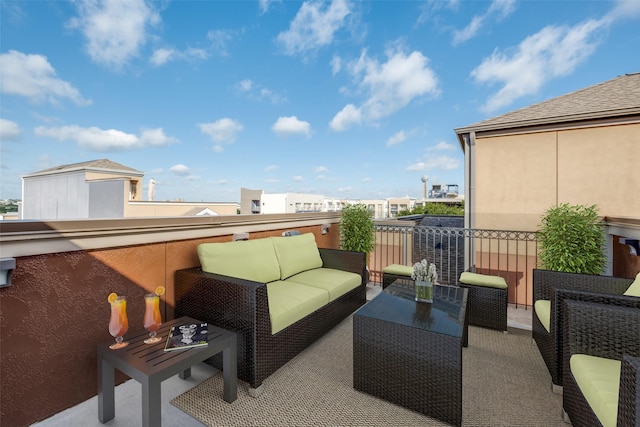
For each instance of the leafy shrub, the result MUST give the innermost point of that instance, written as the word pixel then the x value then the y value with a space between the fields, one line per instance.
pixel 572 239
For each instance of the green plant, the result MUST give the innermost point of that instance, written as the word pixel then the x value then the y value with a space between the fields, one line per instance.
pixel 572 239
pixel 357 230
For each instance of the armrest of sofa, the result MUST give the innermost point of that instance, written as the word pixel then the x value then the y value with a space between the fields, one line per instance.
pixel 228 302
pixel 354 262
pixel 544 281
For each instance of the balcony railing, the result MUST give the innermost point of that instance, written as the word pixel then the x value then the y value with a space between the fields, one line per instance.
pixel 510 254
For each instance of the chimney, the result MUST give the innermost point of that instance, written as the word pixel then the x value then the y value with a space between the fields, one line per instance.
pixel 152 187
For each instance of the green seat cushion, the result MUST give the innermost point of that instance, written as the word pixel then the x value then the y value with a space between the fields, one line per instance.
pixel 542 308
pixel 599 382
pixel 634 289
pixel 469 278
pixel 290 302
pixel 399 270
pixel 296 254
pixel 246 259
pixel 336 282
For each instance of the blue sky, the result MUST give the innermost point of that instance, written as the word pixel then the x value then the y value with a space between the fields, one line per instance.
pixel 349 99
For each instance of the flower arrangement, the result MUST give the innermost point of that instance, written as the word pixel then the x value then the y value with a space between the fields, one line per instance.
pixel 424 271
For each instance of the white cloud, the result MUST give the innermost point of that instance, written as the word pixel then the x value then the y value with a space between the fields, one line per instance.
pixel 258 93
pixel 223 131
pixel 390 86
pixel 270 168
pixel 97 139
pixel 33 77
pixel 499 8
pixel 396 138
pixel 9 130
pixel 320 169
pixel 440 162
pixel 298 178
pixel 162 56
pixel 336 65
pixel 220 39
pixel 443 146
pixel 552 52
pixel 314 26
pixel 114 30
pixel 286 126
pixel 366 179
pixel 348 116
pixel 180 169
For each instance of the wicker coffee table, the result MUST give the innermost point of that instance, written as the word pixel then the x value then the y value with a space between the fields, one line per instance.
pixel 410 353
pixel 149 364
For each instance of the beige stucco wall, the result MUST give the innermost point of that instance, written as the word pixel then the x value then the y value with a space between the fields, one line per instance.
pixel 518 177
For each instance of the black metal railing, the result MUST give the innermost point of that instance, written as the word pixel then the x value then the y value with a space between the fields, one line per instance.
pixel 510 254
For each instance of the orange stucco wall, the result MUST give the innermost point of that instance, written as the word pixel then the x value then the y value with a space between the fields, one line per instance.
pixel 56 313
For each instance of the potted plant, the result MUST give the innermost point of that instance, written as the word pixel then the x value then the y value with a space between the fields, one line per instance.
pixel 357 230
pixel 425 275
pixel 572 240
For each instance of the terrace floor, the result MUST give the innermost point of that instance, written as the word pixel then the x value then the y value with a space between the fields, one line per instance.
pixel 128 394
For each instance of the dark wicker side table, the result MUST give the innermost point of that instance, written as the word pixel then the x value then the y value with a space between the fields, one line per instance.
pixel 410 353
pixel 149 364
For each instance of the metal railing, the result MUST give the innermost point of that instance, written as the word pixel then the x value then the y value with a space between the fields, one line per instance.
pixel 509 254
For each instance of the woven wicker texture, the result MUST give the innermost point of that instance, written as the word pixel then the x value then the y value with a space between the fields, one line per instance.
pixel 502 386
pixel 557 286
pixel 601 330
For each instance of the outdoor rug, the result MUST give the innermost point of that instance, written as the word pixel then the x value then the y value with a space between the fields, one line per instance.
pixel 505 383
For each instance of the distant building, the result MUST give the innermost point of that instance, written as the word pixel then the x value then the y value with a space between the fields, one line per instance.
pixel 100 189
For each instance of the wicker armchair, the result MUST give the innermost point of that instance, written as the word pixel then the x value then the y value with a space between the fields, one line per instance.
pixel 604 331
pixel 556 286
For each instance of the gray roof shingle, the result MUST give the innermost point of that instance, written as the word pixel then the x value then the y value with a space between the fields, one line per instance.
pixel 614 98
pixel 99 165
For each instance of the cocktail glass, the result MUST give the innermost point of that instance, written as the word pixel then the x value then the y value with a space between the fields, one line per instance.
pixel 119 323
pixel 152 318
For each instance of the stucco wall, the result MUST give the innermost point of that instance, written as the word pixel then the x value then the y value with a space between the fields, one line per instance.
pixel 56 313
pixel 518 177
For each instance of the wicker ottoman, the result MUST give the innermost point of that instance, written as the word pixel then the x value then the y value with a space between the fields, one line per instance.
pixel 395 271
pixel 487 303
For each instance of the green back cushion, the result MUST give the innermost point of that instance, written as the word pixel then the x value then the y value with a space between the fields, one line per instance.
pixel 296 254
pixel 399 270
pixel 634 289
pixel 599 381
pixel 246 259
pixel 469 278
pixel 543 311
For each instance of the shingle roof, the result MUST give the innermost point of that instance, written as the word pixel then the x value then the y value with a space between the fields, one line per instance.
pixel 613 98
pixel 105 165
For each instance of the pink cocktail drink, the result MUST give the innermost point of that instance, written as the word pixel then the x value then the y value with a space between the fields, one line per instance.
pixel 152 318
pixel 119 322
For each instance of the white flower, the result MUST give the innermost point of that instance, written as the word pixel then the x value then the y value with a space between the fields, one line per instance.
pixel 424 271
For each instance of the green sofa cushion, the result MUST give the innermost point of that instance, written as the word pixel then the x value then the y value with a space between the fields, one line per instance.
pixel 543 311
pixel 296 254
pixel 399 270
pixel 634 289
pixel 336 282
pixel 290 302
pixel 599 382
pixel 246 259
pixel 469 278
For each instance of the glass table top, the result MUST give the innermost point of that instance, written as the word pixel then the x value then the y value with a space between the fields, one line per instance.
pixel 397 304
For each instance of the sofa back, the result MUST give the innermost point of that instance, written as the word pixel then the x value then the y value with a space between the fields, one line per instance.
pixel 245 259
pixel 261 260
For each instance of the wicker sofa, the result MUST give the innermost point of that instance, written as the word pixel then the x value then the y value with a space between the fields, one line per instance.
pixel 601 357
pixel 550 288
pixel 259 289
